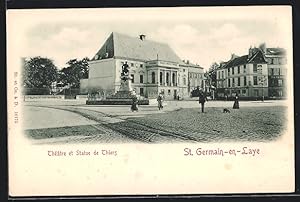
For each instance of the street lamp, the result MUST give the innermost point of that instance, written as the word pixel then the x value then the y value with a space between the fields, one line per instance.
pixel 262 80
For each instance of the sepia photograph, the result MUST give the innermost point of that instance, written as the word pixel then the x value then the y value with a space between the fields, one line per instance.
pixel 161 95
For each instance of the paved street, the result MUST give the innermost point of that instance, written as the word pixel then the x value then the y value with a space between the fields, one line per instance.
pixel 71 121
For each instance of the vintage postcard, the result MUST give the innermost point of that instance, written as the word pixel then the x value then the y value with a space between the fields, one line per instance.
pixel 143 101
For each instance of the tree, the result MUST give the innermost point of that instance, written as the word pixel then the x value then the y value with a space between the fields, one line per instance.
pixel 39 73
pixel 212 74
pixel 76 70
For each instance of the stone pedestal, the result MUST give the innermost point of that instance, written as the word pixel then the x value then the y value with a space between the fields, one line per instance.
pixel 122 97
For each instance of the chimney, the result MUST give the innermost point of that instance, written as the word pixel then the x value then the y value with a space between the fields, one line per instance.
pixel 233 56
pixel 263 47
pixel 142 37
pixel 187 62
pixel 250 52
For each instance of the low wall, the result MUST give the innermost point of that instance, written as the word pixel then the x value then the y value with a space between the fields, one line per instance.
pixel 39 97
pixel 115 102
pixel 81 96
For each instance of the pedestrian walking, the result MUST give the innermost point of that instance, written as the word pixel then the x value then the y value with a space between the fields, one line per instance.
pixel 202 99
pixel 135 101
pixel 160 101
pixel 236 104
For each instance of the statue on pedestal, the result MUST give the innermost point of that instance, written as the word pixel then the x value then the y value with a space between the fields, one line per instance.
pixel 125 71
pixel 125 78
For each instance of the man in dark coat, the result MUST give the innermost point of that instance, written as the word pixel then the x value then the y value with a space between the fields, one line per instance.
pixel 202 99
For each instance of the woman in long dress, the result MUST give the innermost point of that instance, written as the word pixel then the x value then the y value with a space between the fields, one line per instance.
pixel 236 104
pixel 135 101
pixel 160 101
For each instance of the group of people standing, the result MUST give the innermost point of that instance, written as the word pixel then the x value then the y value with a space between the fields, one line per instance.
pixel 160 100
pixel 134 105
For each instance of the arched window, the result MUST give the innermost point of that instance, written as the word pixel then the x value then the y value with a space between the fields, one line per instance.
pixel 153 77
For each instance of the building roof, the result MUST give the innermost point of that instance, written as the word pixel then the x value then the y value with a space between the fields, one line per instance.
pixel 275 51
pixel 257 57
pixel 120 45
pixel 189 64
pixel 237 61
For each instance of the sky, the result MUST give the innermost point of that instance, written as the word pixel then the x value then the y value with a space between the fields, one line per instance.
pixel 201 35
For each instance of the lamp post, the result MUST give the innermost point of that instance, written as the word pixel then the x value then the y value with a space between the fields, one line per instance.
pixel 262 80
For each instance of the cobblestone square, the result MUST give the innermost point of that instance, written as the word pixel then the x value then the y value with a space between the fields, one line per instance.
pixel 182 121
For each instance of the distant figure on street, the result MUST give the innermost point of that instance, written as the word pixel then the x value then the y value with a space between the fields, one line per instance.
pixel 202 99
pixel 135 101
pixel 160 101
pixel 236 104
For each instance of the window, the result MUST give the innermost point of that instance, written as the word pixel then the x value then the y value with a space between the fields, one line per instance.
pixel 141 65
pixel 173 78
pixel 243 91
pixel 141 78
pixel 183 70
pixel 272 71
pixel 244 68
pixel 280 83
pixel 269 60
pixel 254 68
pixel 222 74
pixel 239 81
pixel 153 77
pixel 142 91
pixel 132 78
pixel 238 69
pixel 278 71
pixel 184 81
pixel 233 81
pixel 232 70
pixel 167 78
pixel 160 77
pixel 275 61
pixel 228 71
pixel 254 80
pixel 245 81
pixel 131 64
pixel 169 92
pixel 228 82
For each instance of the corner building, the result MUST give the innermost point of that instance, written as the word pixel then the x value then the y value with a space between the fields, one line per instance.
pixel 246 75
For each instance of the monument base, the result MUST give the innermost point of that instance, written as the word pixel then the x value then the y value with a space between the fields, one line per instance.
pixel 116 102
pixel 122 97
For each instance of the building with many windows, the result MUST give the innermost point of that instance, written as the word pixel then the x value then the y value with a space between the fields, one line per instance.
pixel 246 75
pixel 153 66
pixel 195 76
pixel 277 71
pixel 260 73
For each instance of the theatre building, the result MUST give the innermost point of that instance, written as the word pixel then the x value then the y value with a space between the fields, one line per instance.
pixel 153 66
